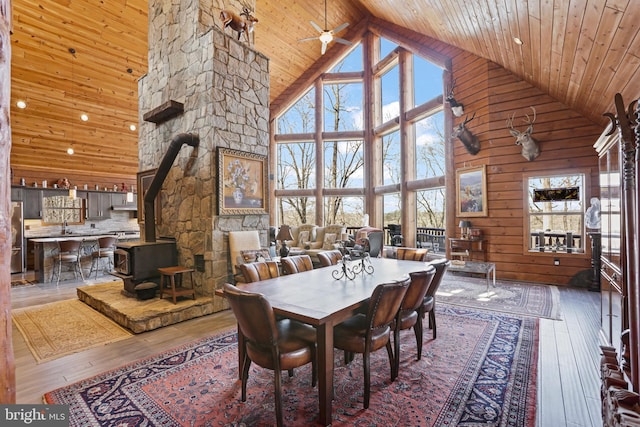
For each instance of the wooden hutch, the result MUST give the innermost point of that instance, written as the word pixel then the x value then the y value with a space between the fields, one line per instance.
pixel 620 285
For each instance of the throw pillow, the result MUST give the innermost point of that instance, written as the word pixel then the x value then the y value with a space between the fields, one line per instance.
pixel 255 255
pixel 303 238
pixel 329 240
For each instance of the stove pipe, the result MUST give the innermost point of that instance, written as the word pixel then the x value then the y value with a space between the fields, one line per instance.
pixel 167 161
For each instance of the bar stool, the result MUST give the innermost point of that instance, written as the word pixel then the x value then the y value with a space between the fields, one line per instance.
pixel 176 291
pixel 106 246
pixel 68 253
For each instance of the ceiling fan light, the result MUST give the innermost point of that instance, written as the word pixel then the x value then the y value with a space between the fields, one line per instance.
pixel 326 37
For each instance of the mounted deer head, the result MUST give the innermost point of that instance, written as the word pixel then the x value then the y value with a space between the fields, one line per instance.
pixel 456 108
pixel 530 149
pixel 469 140
pixel 242 23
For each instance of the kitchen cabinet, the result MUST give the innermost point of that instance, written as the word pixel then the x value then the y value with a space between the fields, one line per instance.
pixel 32 206
pixel 119 202
pixel 17 194
pixel 98 205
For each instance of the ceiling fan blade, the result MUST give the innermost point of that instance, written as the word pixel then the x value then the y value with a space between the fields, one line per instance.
pixel 308 39
pixel 341 27
pixel 316 26
pixel 343 41
pixel 324 48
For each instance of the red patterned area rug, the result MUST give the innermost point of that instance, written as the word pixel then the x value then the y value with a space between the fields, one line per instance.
pixel 481 370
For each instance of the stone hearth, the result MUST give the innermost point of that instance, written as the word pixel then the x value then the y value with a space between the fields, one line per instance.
pixel 141 316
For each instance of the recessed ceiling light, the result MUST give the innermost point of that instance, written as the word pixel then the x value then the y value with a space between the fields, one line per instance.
pixel 84 117
pixel 518 41
pixel 132 127
pixel 70 151
pixel 21 104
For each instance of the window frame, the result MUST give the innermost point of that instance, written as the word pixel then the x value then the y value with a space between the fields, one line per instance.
pixel 582 251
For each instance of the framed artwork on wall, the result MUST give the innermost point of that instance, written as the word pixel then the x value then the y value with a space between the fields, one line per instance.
pixel 471 192
pixel 144 180
pixel 242 183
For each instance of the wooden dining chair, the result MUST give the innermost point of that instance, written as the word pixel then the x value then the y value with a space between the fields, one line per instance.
pixel 276 345
pixel 296 264
pixel 329 258
pixel 366 333
pixel 411 311
pixel 412 254
pixel 429 302
pixel 256 271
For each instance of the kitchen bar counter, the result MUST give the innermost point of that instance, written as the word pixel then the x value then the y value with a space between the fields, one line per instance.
pixel 46 248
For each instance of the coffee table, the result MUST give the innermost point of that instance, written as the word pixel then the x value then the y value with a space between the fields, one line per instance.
pixel 486 268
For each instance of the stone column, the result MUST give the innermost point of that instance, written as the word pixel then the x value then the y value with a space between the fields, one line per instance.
pixel 224 87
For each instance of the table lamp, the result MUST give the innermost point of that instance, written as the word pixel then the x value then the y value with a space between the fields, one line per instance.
pixel 284 234
pixel 464 229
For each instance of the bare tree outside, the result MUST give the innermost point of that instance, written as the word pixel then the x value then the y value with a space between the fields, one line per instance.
pixel 343 159
pixel 430 163
pixel 296 161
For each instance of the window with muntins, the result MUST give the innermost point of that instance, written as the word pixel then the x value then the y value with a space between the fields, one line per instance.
pixel 341 157
pixel 556 208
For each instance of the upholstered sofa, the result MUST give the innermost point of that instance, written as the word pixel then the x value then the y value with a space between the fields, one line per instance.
pixel 312 239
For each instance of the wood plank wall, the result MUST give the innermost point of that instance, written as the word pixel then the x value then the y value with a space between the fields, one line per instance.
pixel 566 142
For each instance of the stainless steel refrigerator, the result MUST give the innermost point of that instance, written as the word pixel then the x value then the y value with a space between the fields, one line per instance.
pixel 17 241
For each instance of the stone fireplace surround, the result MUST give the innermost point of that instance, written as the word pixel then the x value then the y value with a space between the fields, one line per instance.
pixel 224 87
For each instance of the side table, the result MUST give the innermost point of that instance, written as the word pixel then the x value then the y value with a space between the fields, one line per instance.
pixel 176 291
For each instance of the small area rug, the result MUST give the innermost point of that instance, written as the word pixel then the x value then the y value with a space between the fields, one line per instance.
pixel 509 297
pixel 481 370
pixel 60 328
pixel 21 282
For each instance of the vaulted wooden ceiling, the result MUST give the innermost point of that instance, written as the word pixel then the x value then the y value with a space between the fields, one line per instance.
pixel 581 52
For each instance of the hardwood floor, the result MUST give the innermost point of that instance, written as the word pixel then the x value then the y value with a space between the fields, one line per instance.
pixel 568 364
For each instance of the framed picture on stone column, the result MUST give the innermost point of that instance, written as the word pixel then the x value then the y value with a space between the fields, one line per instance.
pixel 144 180
pixel 242 183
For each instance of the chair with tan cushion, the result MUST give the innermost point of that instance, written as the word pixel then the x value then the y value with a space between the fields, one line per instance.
pixel 240 241
pixel 106 246
pixel 68 253
pixel 366 333
pixel 411 310
pixel 412 254
pixel 429 302
pixel 329 258
pixel 276 345
pixel 256 271
pixel 296 264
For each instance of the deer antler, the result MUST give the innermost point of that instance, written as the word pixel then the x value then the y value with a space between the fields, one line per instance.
pixel 467 119
pixel 528 121
pixel 510 121
pixel 450 90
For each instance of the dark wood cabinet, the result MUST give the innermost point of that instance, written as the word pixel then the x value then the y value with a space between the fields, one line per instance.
pixel 119 201
pixel 98 205
pixel 17 194
pixel 32 206
pixel 613 294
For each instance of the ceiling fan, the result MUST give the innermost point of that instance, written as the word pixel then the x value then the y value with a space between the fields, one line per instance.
pixel 327 36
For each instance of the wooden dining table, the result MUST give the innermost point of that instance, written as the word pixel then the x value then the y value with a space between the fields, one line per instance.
pixel 316 298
